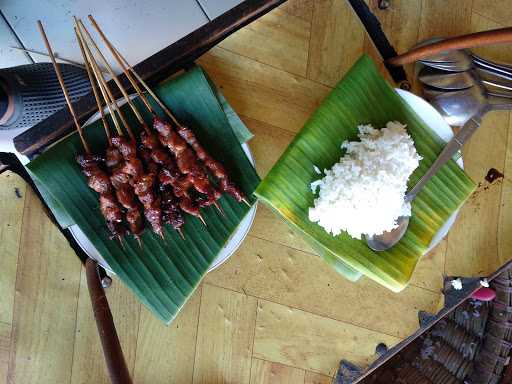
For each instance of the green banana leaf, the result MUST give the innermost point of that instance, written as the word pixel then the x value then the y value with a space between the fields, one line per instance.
pixel 363 96
pixel 163 273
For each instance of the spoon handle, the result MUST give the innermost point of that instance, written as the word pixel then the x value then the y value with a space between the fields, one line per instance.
pixel 446 154
pixel 489 74
pixel 480 61
pixel 495 36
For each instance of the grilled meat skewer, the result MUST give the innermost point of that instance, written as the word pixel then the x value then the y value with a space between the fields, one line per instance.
pixel 217 169
pixel 99 181
pixel 186 159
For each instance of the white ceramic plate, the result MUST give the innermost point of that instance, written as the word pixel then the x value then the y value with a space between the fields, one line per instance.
pixel 436 122
pixel 231 246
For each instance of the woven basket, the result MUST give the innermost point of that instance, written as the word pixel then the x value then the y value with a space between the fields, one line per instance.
pixel 470 345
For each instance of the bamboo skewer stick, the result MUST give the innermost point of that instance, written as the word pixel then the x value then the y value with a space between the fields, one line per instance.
pixel 105 90
pixel 63 86
pixel 149 90
pixel 108 102
pixel 94 89
pixel 123 66
pixel 115 109
pixel 114 76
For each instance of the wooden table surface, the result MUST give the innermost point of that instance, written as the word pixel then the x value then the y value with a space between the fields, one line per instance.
pixel 274 313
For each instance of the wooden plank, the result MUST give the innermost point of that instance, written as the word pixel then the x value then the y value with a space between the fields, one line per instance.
pixel 505 219
pixel 267 372
pixel 304 340
pixel 45 306
pixel 279 39
pixel 88 355
pixel 441 18
pixel 262 92
pixel 224 337
pixel 472 242
pixel 12 200
pixel 5 347
pixel 501 52
pixel 299 8
pixel 268 226
pixel 316 378
pixel 497 10
pixel 301 280
pixel 337 41
pixel 166 354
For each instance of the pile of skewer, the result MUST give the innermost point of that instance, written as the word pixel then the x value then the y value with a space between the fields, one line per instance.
pixel 160 175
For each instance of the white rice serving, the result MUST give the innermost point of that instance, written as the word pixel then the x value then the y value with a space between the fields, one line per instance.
pixel 363 194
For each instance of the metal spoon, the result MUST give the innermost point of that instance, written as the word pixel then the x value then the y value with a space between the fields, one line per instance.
pixel 457 107
pixel 459 61
pixel 491 64
pixel 441 79
pixel 461 80
pixel 463 60
pixel 388 239
pixel 467 106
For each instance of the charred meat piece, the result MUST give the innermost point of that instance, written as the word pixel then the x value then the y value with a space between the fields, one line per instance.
pixel 110 209
pixel 171 212
pixel 215 167
pixel 186 160
pixel 127 147
pixel 135 221
pixel 113 157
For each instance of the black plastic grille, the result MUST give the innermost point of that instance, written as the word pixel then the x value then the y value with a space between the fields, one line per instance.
pixel 37 91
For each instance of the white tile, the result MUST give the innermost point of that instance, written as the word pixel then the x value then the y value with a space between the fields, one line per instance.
pixel 214 8
pixel 10 57
pixel 137 28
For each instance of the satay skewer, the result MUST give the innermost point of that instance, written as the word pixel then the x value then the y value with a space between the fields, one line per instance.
pixel 141 182
pixel 120 175
pixel 97 179
pixel 133 82
pixel 124 192
pixel 194 212
pixel 186 133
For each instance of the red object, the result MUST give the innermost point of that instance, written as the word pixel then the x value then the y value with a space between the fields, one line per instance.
pixel 484 294
pixel 495 36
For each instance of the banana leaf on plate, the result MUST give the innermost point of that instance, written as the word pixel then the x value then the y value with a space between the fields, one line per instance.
pixel 163 273
pixel 363 96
